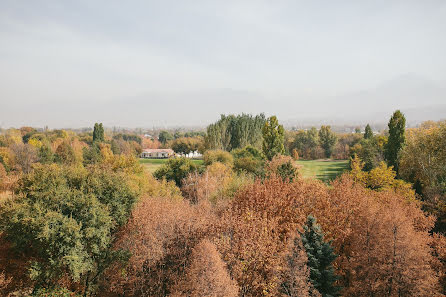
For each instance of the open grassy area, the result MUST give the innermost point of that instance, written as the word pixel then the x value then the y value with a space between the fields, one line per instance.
pixel 153 164
pixel 325 170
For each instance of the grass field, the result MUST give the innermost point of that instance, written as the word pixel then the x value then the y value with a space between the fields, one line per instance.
pixel 153 164
pixel 325 170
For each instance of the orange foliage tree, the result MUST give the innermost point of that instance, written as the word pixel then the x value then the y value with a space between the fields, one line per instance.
pixel 160 237
pixel 382 239
pixel 207 275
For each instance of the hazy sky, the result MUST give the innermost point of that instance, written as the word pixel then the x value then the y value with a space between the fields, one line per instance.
pixel 145 63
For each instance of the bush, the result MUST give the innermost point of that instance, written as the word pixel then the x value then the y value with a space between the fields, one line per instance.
pixel 213 156
pixel 249 160
pixel 175 170
pixel 283 167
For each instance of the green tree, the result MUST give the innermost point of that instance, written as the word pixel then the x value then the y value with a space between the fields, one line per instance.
pixel 273 138
pixel 320 258
pixel 98 132
pixel 307 143
pixel 176 170
pixel 186 145
pixel 396 140
pixel 64 219
pixel 45 154
pixel 248 159
pixel 368 134
pixel 164 137
pixel 327 139
pixel 92 155
pixel 232 132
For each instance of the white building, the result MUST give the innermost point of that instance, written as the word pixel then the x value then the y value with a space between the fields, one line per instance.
pixel 157 153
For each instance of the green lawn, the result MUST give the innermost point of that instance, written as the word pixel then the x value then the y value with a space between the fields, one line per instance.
pixel 153 164
pixel 325 170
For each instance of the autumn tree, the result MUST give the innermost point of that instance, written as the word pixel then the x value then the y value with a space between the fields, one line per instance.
pixel 368 134
pixel 65 153
pixel 283 167
pixel 212 156
pixel 320 258
pixel 25 156
pixel 397 139
pixel 307 144
pixel 207 275
pixel 296 279
pixel 370 151
pixel 273 138
pixel 423 162
pixel 160 236
pixel 327 139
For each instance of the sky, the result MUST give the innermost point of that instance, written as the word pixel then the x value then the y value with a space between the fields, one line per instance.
pixel 172 63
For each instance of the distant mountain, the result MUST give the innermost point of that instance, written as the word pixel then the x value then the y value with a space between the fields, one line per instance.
pixel 419 98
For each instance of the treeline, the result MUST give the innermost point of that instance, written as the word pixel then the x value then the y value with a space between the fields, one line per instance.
pixel 232 132
pixel 244 223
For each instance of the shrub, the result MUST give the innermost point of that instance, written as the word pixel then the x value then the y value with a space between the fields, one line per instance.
pixel 175 170
pixel 282 166
pixel 212 156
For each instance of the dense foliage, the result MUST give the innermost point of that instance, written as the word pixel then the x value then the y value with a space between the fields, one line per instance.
pixel 63 219
pixel 83 217
pixel 232 132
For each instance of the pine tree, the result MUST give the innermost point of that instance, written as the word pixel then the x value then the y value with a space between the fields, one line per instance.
pixel 320 258
pixel 273 138
pixel 397 139
pixel 368 134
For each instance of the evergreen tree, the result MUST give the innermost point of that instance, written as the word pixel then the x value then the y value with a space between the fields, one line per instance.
pixel 98 132
pixel 368 134
pixel 273 138
pixel 327 139
pixel 397 139
pixel 320 258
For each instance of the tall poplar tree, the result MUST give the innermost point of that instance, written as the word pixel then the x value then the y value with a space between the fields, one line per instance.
pixel 98 132
pixel 397 139
pixel 368 134
pixel 273 138
pixel 320 258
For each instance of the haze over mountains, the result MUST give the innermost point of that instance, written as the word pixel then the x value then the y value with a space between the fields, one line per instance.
pixel 419 98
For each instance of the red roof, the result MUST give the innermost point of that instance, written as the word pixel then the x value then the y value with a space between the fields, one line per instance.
pixel 170 151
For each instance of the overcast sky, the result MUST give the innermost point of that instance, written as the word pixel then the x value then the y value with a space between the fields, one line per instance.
pixel 146 63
